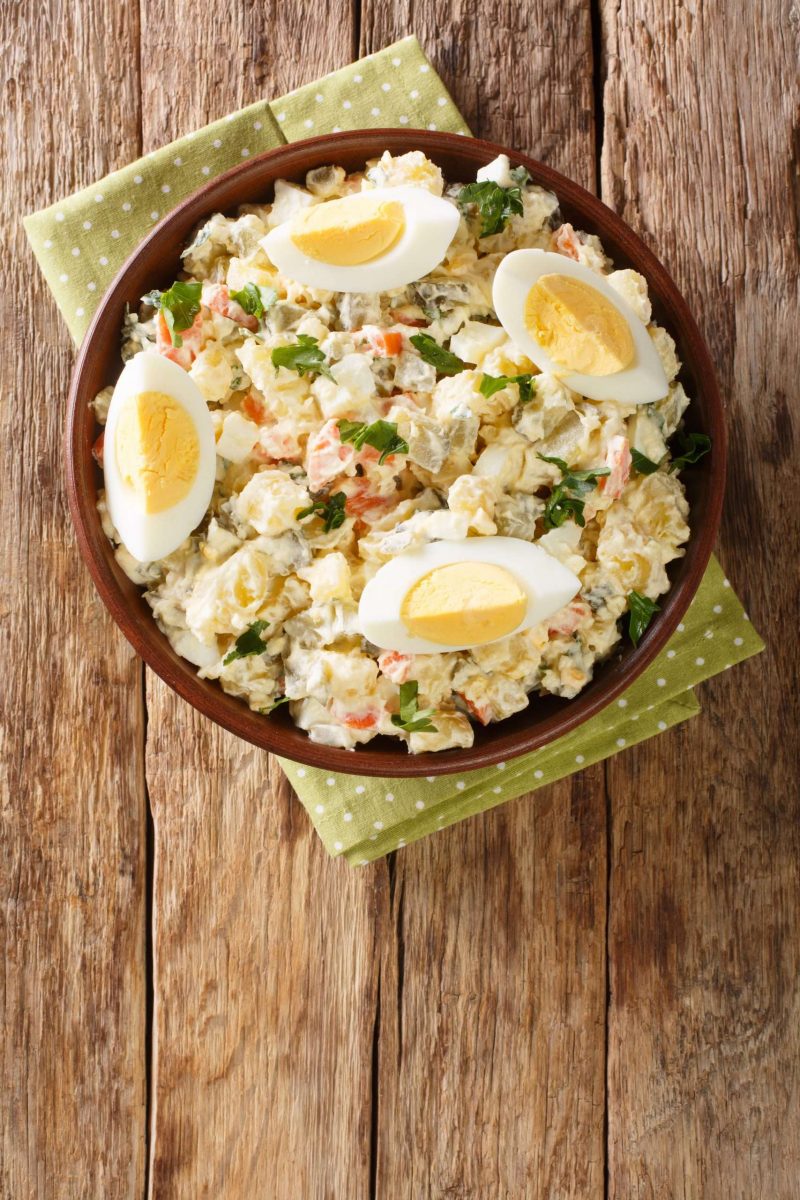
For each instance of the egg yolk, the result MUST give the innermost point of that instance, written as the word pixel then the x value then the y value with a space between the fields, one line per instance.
pixel 578 326
pixel 157 450
pixel 464 604
pixel 350 231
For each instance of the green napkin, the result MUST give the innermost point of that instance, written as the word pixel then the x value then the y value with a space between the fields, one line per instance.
pixel 80 244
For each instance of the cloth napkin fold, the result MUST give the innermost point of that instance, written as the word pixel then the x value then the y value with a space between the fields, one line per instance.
pixel 80 244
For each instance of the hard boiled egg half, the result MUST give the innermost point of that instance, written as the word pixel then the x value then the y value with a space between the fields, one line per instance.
pixel 452 595
pixel 158 458
pixel 570 322
pixel 368 242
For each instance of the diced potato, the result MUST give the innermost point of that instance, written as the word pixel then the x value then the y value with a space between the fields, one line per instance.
pixel 476 339
pixel 237 439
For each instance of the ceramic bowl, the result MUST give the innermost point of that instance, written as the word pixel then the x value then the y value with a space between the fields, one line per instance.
pixel 155 263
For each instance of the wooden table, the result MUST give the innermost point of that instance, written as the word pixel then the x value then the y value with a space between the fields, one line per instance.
pixel 590 992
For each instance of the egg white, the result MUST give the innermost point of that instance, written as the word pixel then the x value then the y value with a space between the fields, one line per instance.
pixel 642 383
pixel 430 226
pixel 150 536
pixel 548 584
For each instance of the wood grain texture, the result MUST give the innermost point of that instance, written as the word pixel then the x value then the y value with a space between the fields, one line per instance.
pixel 72 806
pixel 492 1005
pixel 492 999
pixel 543 104
pixel 265 950
pixel 434 1025
pixel 264 975
pixel 704 1050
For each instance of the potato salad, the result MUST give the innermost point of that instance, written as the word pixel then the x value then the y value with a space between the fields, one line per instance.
pixel 397 452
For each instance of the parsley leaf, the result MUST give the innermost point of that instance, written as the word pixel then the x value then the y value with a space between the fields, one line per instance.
pixel 411 717
pixel 381 435
pixel 520 175
pixel 641 612
pixel 643 464
pixel 494 383
pixel 331 510
pixel 429 349
pixel 247 643
pixel 557 462
pixel 495 204
pixel 692 446
pixel 275 704
pixel 180 304
pixel 255 300
pixel 565 499
pixel 305 357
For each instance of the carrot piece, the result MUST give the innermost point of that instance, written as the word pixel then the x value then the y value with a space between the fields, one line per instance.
pixel 390 342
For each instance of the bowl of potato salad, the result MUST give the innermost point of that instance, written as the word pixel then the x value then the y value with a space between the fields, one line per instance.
pixel 395 452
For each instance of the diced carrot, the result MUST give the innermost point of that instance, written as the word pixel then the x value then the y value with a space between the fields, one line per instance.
pixel 386 342
pixel 481 712
pixel 218 299
pixel 185 354
pixel 618 460
pixel 362 501
pixel 565 241
pixel 567 619
pixel 394 665
pixel 326 456
pixel 98 447
pixel 254 408
pixel 363 718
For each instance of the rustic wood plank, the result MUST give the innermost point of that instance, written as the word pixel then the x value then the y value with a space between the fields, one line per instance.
pixel 72 872
pixel 704 1037
pixel 266 962
pixel 492 1002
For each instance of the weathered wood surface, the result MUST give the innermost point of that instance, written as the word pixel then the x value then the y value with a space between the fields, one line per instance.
pixel 492 1063
pixel 72 804
pixel 704 938
pixel 266 961
pixel 434 1025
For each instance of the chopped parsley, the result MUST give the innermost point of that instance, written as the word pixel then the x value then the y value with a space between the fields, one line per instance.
pixel 566 497
pixel 429 349
pixel 255 300
pixel 247 643
pixel 411 717
pixel 179 305
pixel 381 435
pixel 331 510
pixel 643 464
pixel 494 383
pixel 495 204
pixel 641 612
pixel 304 356
pixel 692 446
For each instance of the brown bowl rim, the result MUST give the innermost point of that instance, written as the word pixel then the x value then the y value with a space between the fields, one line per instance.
pixel 281 736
